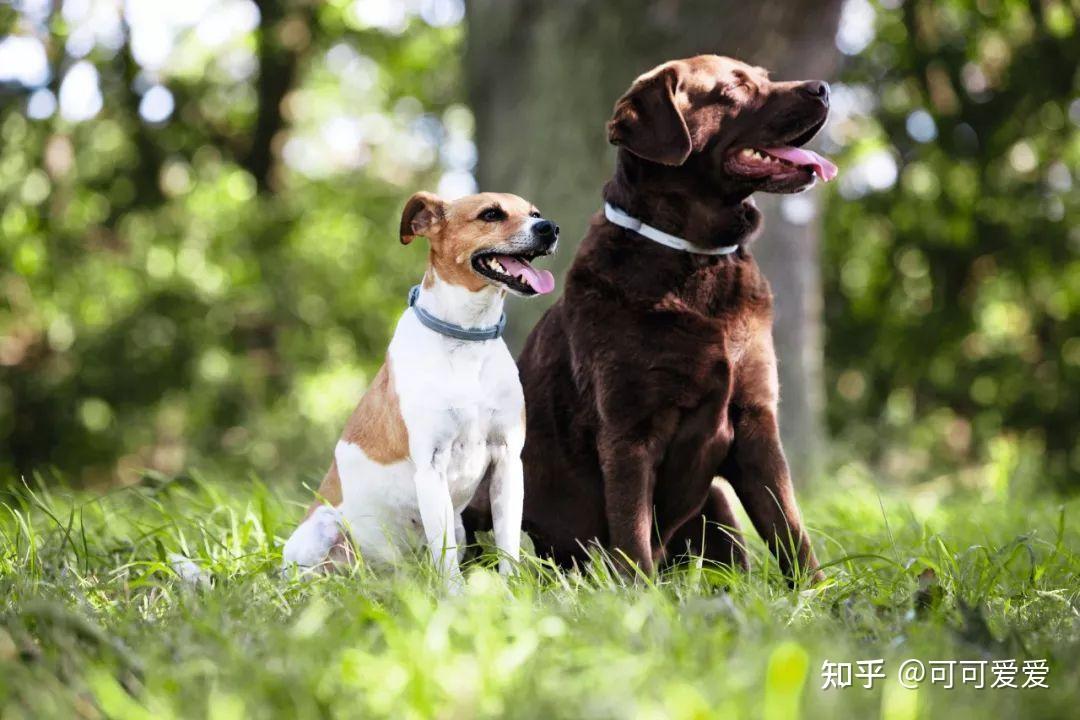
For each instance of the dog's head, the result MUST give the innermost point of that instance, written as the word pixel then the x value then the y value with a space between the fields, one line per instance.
pixel 484 239
pixel 739 130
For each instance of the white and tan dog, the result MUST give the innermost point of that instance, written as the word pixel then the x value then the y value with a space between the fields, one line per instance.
pixel 444 417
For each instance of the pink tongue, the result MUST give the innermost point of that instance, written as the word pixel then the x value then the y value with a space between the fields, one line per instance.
pixel 823 168
pixel 539 280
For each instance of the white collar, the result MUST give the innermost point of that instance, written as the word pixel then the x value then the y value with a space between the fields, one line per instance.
pixel 621 219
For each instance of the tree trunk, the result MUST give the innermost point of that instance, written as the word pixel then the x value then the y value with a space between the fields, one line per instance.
pixel 281 38
pixel 543 77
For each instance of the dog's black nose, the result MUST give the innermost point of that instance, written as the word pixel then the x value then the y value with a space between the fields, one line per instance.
pixel 818 89
pixel 546 230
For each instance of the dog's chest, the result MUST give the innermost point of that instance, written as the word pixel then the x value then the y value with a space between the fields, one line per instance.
pixel 459 401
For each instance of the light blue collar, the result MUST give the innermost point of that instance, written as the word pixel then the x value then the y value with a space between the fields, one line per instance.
pixel 451 330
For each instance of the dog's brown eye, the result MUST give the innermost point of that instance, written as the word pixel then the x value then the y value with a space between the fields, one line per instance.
pixel 535 214
pixel 492 214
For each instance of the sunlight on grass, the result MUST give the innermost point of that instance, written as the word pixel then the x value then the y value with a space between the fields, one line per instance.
pixel 96 622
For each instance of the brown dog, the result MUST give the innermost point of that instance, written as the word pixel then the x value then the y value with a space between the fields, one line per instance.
pixel 655 372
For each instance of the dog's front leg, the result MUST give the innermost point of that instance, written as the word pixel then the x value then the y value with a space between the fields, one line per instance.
pixel 507 493
pixel 628 488
pixel 761 479
pixel 439 517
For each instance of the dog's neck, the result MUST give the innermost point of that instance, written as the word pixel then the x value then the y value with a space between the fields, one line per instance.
pixel 460 306
pixel 672 200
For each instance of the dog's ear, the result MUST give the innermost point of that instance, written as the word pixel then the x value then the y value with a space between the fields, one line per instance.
pixel 422 215
pixel 647 120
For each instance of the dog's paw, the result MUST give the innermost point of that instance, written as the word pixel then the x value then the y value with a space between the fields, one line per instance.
pixel 315 541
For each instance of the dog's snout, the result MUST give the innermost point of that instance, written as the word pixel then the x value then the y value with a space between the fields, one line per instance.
pixel 546 230
pixel 818 89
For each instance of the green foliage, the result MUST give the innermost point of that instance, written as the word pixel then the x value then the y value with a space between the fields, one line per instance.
pixel 95 621
pixel 159 307
pixel 953 296
pixel 169 298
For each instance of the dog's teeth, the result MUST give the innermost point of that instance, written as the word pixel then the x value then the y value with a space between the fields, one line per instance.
pixel 748 152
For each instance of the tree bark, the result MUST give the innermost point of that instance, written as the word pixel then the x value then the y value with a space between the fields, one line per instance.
pixel 543 77
pixel 279 59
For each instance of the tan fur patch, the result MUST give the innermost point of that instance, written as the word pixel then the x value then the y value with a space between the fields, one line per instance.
pixel 329 490
pixel 376 426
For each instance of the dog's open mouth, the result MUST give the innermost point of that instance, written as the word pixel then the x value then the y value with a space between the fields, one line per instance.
pixel 778 162
pixel 784 162
pixel 515 272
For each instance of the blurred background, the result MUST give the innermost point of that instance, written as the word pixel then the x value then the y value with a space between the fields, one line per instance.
pixel 199 266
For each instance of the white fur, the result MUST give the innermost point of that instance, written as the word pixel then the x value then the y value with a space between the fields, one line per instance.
pixel 311 542
pixel 462 404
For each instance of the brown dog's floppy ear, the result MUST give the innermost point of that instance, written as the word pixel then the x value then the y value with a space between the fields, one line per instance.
pixel 647 120
pixel 421 215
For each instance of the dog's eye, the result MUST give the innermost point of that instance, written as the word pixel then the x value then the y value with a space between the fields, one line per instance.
pixel 492 214
pixel 535 214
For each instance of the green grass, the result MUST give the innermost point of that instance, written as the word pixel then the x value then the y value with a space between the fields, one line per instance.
pixel 95 623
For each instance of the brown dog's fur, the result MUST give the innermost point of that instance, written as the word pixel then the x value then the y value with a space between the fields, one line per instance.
pixel 655 372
